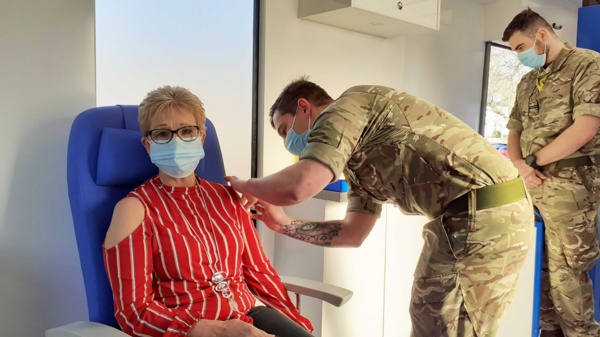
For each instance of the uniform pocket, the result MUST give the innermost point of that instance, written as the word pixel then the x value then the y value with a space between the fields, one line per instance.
pixel 589 178
pixel 579 238
pixel 433 289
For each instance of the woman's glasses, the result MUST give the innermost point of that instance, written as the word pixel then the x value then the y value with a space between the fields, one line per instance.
pixel 163 136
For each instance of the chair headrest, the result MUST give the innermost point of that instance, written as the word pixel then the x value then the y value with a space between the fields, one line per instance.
pixel 122 159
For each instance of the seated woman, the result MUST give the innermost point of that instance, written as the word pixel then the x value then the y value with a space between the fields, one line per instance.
pixel 182 256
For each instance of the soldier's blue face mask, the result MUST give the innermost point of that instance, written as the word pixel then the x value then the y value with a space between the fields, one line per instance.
pixel 530 58
pixel 295 143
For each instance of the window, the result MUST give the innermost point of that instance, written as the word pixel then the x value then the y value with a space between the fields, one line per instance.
pixel 206 46
pixel 502 73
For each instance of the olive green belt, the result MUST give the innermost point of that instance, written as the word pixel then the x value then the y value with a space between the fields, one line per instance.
pixel 490 196
pixel 572 162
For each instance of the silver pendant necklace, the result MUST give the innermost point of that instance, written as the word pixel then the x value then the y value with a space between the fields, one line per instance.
pixel 220 283
pixel 219 278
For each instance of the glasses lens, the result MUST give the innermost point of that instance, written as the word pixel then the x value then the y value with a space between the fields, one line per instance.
pixel 188 133
pixel 161 136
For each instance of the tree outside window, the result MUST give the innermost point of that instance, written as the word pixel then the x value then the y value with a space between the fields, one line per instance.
pixel 504 73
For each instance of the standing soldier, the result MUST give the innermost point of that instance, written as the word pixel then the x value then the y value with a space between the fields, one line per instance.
pixel 553 142
pixel 394 147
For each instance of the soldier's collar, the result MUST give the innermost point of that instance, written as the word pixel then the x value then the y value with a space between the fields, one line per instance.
pixel 559 62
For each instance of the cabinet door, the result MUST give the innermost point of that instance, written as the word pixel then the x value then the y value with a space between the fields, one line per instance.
pixel 420 12
pixel 362 270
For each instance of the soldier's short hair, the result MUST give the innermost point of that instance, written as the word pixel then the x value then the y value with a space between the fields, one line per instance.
pixel 287 101
pixel 527 22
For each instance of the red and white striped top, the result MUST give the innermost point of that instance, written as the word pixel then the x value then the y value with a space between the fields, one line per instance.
pixel 161 273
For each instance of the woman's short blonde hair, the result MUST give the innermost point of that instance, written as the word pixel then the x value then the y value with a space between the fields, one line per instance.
pixel 170 98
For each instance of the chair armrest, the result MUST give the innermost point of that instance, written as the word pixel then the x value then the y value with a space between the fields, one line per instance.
pixel 85 329
pixel 323 291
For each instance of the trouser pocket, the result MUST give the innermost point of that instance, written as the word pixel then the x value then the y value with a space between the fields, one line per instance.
pixel 434 289
pixel 578 234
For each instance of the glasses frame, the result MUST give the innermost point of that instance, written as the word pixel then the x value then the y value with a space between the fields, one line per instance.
pixel 173 132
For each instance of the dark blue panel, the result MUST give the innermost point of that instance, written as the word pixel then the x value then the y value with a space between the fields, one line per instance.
pixel 588 36
pixel 537 287
pixel 588 28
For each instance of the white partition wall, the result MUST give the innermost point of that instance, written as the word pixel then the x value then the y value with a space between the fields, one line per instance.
pixel 47 77
pixel 404 242
pixel 362 270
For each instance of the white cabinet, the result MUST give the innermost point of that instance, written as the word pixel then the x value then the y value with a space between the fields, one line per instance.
pixel 382 18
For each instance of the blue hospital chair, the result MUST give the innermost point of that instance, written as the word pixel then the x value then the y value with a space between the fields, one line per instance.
pixel 105 161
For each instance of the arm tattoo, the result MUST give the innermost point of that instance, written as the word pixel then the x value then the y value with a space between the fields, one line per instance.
pixel 317 233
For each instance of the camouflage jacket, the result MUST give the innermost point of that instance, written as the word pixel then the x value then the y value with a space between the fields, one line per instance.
pixel 394 147
pixel 548 100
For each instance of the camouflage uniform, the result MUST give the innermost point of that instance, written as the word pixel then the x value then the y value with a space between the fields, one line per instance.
pixel 394 147
pixel 568 198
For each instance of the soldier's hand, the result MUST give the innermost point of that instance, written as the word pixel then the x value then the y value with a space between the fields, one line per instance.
pixel 247 199
pixel 534 179
pixel 272 216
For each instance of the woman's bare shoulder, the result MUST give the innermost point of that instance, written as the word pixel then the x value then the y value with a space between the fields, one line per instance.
pixel 127 216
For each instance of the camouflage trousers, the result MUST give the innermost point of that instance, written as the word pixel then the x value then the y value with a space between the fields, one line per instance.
pixel 468 270
pixel 568 202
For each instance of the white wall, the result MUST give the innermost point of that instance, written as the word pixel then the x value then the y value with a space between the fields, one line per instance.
pixel 499 13
pixel 47 77
pixel 446 67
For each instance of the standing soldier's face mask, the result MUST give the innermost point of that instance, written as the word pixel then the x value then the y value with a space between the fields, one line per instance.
pixel 294 142
pixel 530 58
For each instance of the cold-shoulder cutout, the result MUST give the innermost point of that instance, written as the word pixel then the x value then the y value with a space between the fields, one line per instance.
pixel 127 216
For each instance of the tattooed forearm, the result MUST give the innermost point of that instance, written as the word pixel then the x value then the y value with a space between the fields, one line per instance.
pixel 317 233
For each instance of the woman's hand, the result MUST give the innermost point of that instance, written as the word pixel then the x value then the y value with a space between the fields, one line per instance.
pixel 273 216
pixel 230 328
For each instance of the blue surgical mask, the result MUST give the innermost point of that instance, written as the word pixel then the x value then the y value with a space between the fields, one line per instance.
pixel 177 158
pixel 295 143
pixel 530 58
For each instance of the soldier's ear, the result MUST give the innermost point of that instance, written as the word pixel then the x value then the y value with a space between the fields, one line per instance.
pixel 543 32
pixel 304 104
